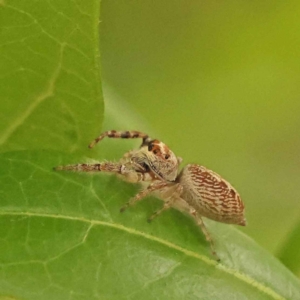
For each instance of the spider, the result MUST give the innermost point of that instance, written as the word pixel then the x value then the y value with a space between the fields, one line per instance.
pixel 194 190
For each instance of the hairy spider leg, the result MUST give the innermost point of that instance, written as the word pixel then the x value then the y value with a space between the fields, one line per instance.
pixel 206 233
pixel 172 199
pixel 167 205
pixel 168 194
pixel 100 167
pixel 176 201
pixel 126 172
pixel 120 134
pixel 144 193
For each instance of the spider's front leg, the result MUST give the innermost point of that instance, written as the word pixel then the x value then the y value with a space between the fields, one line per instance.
pixel 131 134
pixel 95 167
pixel 123 170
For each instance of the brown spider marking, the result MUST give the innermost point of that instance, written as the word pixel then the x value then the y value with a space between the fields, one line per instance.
pixel 194 190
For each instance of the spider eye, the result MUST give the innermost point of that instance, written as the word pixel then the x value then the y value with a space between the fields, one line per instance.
pixel 167 156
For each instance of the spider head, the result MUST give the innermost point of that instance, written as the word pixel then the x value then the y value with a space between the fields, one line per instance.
pixel 160 159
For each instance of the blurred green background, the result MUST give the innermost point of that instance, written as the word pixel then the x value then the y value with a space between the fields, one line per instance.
pixel 218 81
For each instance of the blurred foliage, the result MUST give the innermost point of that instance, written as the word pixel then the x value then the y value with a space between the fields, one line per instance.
pixel 290 254
pixel 219 82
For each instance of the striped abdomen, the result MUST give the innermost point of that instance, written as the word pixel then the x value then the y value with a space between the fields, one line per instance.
pixel 211 196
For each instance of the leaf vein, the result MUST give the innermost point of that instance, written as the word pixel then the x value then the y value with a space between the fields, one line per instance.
pixel 241 276
pixel 44 95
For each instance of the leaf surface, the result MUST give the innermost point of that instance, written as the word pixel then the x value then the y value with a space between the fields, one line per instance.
pixel 63 237
pixel 50 84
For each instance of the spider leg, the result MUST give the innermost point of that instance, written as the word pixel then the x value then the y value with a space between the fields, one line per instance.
pixel 125 171
pixel 179 203
pixel 120 134
pixel 96 167
pixel 169 194
pixel 144 193
pixel 166 206
pixel 206 233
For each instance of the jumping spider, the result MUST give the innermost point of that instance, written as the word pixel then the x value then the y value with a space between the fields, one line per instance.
pixel 194 190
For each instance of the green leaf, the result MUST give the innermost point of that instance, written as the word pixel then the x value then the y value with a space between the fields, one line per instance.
pixel 63 237
pixel 50 86
pixel 61 234
pixel 290 254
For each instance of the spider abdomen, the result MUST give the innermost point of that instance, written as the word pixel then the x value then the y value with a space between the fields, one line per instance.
pixel 211 196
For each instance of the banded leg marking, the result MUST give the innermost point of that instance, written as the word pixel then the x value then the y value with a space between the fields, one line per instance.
pixel 119 134
pixel 100 167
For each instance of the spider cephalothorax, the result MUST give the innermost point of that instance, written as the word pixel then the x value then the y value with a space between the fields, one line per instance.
pixel 159 158
pixel 195 190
